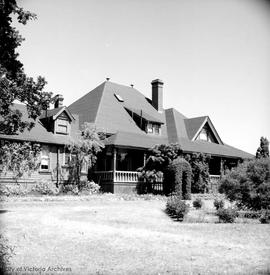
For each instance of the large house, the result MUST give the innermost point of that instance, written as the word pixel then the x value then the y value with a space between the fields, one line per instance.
pixel 133 124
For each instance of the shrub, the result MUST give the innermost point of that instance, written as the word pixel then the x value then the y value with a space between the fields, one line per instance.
pixel 89 187
pixel 177 178
pixel 14 190
pixel 176 207
pixel 200 171
pixel 249 184
pixel 46 188
pixel 70 189
pixel 265 216
pixel 250 214
pixel 227 215
pixel 198 203
pixel 218 204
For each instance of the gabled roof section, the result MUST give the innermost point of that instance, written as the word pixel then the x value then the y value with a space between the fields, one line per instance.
pixel 39 133
pixel 54 113
pixel 195 125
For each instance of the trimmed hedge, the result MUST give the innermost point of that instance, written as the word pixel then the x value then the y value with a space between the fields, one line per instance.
pixel 177 178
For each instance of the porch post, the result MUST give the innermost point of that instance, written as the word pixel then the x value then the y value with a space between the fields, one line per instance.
pixel 114 163
pixel 144 159
pixel 221 167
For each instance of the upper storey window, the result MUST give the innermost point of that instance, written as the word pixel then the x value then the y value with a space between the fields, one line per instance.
pixel 206 135
pixel 62 126
pixel 153 128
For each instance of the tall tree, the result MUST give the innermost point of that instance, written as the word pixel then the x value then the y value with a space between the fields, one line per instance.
pixel 14 84
pixel 263 150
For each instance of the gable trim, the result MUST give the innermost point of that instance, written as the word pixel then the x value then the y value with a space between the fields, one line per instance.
pixel 207 120
pixel 61 111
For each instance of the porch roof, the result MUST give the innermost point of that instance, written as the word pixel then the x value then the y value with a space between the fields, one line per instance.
pixel 134 140
pixel 212 148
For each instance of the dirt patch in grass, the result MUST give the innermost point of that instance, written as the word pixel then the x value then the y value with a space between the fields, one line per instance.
pixel 104 235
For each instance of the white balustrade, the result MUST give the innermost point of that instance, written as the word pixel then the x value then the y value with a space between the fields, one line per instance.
pixel 117 176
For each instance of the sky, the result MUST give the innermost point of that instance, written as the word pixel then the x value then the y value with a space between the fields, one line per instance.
pixel 212 55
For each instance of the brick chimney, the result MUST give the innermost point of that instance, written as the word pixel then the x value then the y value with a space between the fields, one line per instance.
pixel 58 101
pixel 157 94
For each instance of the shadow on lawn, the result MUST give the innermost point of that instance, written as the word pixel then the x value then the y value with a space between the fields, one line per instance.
pixel 2 211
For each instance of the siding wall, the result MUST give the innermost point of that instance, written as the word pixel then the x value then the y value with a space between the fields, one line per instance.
pixel 37 176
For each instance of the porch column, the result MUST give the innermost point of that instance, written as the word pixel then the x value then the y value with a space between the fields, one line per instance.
pixel 114 163
pixel 221 167
pixel 144 159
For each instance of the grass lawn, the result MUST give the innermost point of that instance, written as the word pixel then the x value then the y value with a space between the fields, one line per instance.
pixel 107 235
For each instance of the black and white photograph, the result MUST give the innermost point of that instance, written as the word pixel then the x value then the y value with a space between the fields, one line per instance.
pixel 134 137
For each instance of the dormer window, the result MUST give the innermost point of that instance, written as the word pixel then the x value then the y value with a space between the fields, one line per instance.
pixel 153 128
pixel 62 126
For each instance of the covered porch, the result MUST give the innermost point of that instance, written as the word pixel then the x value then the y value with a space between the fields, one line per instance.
pixel 116 170
pixel 116 167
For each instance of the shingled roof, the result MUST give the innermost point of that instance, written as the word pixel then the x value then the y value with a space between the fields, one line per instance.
pixel 39 133
pixel 101 107
pixel 106 107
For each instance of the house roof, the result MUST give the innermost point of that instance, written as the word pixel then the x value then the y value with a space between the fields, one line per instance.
pixel 193 125
pixel 127 139
pixel 178 132
pixel 101 107
pixel 39 133
pixel 54 113
pixel 144 115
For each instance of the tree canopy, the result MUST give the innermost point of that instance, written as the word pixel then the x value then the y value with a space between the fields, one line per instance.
pixel 263 150
pixel 84 150
pixel 14 83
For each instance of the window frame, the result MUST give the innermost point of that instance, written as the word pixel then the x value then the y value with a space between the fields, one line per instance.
pixel 45 157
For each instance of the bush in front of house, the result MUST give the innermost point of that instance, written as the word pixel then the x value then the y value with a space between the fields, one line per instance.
pixel 88 187
pixel 200 171
pixel 248 184
pixel 197 203
pixel 227 215
pixel 16 189
pixel 218 204
pixel 46 187
pixel 177 207
pixel 177 178
pixel 70 189
pixel 265 216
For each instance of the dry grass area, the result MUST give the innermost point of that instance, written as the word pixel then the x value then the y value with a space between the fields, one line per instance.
pixel 107 235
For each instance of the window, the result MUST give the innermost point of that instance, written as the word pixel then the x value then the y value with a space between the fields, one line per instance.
pixel 45 158
pixel 84 167
pixel 67 158
pixel 61 126
pixel 153 128
pixel 203 135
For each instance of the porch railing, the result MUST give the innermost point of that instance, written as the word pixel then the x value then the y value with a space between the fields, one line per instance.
pixel 117 176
